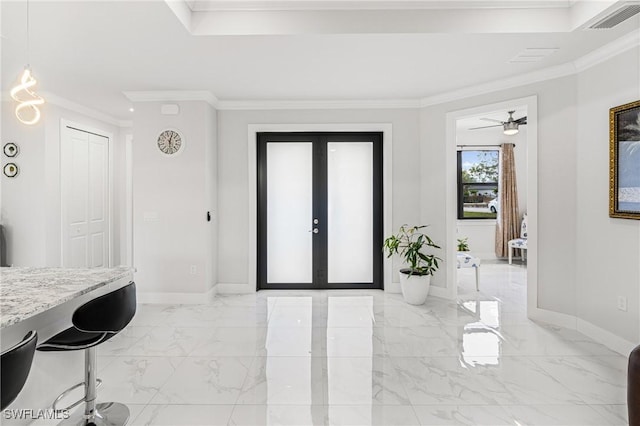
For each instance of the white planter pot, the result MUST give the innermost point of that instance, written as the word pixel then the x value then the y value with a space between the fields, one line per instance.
pixel 415 288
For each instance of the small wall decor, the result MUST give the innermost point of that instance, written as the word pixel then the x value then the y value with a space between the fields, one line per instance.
pixel 624 161
pixel 10 149
pixel 10 170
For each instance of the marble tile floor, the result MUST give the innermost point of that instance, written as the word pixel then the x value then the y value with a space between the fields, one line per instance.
pixel 362 358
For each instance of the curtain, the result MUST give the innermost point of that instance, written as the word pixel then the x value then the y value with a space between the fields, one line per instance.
pixel 507 223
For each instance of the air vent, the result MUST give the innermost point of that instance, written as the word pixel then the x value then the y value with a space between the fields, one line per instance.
pixel 615 17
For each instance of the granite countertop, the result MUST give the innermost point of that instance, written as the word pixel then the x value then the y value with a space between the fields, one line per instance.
pixel 28 291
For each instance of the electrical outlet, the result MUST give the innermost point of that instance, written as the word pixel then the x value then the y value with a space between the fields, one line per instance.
pixel 193 269
pixel 622 303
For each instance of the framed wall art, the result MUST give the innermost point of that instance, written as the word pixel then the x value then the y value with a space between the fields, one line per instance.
pixel 624 161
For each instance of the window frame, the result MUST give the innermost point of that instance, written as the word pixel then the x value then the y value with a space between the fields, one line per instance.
pixel 460 185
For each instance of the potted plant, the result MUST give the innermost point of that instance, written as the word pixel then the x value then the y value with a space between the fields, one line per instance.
pixel 463 245
pixel 410 243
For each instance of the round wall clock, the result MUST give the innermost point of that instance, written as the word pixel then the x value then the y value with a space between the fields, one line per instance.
pixel 10 149
pixel 10 170
pixel 170 142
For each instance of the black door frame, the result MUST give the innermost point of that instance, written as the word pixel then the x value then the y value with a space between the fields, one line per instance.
pixel 319 142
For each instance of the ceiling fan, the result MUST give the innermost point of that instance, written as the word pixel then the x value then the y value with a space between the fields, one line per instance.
pixel 510 126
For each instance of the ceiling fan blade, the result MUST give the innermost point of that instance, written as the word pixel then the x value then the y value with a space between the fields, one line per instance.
pixel 485 127
pixel 491 119
pixel 521 120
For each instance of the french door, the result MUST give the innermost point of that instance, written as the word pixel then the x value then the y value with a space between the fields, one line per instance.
pixel 319 210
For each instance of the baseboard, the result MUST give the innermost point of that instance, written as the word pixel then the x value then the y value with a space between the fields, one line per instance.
pixel 600 335
pixel 392 288
pixel 177 298
pixel 607 338
pixel 227 288
pixel 553 318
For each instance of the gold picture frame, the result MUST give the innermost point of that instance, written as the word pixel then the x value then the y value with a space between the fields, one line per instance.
pixel 624 161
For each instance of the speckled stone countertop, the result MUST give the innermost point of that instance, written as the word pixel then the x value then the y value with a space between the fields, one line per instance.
pixel 25 292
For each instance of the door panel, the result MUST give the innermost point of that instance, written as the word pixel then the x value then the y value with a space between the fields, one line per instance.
pixel 319 210
pixel 289 207
pixel 85 199
pixel 98 201
pixel 349 212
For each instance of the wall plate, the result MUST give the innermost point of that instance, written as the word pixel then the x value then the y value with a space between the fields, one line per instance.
pixel 10 170
pixel 10 149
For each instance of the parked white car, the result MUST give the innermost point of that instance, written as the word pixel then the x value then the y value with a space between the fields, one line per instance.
pixel 493 205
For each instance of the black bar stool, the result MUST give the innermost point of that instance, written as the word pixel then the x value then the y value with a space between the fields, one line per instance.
pixel 95 322
pixel 16 364
pixel 633 387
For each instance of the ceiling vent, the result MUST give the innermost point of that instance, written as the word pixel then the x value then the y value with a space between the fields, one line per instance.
pixel 614 17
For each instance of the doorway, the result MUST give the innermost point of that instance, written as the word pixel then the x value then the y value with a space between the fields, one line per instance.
pixel 529 179
pixel 319 210
pixel 85 198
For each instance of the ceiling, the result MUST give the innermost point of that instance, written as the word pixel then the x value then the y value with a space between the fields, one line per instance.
pixel 90 52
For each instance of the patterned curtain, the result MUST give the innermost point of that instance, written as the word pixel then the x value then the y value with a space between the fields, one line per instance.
pixel 507 223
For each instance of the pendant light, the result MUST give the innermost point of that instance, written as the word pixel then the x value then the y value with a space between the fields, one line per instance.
pixel 27 110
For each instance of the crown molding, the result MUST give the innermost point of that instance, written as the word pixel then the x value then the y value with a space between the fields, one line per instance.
pixel 324 104
pixel 288 5
pixel 54 99
pixel 498 85
pixel 172 96
pixel 583 63
pixel 608 51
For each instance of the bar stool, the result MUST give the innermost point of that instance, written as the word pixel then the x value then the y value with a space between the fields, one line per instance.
pixel 16 364
pixel 95 322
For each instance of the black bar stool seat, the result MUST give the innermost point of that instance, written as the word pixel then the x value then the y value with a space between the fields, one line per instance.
pixel 73 337
pixel 94 323
pixel 15 365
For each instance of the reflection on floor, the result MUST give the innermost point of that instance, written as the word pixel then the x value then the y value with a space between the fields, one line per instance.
pixel 360 358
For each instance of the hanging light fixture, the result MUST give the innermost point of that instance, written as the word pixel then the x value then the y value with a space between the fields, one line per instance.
pixel 510 128
pixel 27 110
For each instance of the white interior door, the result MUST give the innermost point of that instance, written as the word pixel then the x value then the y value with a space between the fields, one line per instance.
pixel 85 199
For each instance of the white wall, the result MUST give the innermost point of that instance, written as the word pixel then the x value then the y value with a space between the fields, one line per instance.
pixel 23 197
pixel 481 234
pixel 31 201
pixel 608 250
pixel 173 194
pixel 233 174
pixel 556 180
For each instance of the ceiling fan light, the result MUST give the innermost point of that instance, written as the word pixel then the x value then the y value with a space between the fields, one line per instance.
pixel 510 128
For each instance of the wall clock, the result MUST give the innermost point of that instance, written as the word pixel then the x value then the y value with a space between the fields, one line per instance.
pixel 170 142
pixel 10 170
pixel 10 149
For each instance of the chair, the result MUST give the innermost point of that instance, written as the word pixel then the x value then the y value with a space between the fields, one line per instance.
pixel 465 260
pixel 519 243
pixel 633 387
pixel 95 322
pixel 15 366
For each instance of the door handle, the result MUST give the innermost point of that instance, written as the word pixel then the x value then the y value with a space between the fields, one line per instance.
pixel 314 230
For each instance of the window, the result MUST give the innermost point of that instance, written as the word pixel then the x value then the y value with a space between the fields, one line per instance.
pixel 478 184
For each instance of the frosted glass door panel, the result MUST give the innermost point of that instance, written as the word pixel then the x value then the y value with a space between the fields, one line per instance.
pixel 350 212
pixel 289 212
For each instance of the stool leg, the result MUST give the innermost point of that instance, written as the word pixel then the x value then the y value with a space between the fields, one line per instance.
pixel 104 414
pixel 510 255
pixel 90 363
